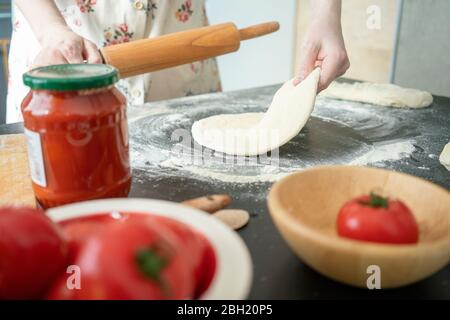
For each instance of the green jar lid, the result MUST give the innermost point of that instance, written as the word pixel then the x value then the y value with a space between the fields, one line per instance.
pixel 71 77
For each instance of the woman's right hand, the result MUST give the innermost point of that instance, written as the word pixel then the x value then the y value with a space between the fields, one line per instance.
pixel 62 46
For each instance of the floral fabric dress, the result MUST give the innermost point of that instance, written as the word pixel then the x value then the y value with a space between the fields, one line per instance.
pixel 108 22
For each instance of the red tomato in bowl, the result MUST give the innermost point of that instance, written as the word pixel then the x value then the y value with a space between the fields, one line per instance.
pixel 60 290
pixel 32 253
pixel 77 231
pixel 131 260
pixel 202 258
pixel 377 219
pixel 206 269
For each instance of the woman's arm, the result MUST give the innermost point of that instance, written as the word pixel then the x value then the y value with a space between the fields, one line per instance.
pixel 59 43
pixel 42 16
pixel 323 44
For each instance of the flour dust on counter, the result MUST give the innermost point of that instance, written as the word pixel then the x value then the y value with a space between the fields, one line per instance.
pixel 339 132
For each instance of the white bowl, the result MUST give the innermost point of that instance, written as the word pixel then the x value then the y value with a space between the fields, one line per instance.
pixel 233 276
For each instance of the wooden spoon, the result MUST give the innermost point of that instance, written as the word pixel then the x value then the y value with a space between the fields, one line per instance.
pixel 209 204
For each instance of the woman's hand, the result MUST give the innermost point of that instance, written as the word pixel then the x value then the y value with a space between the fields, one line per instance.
pixel 62 45
pixel 59 43
pixel 323 45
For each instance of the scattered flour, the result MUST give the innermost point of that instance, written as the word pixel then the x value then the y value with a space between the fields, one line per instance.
pixel 269 173
pixel 226 177
pixel 388 152
pixel 339 132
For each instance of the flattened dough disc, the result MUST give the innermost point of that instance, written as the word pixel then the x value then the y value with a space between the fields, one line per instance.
pixel 251 134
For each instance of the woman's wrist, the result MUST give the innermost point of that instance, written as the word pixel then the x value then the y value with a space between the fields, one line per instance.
pixel 51 30
pixel 328 11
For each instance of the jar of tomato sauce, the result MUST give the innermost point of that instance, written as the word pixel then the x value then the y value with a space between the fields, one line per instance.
pixel 77 134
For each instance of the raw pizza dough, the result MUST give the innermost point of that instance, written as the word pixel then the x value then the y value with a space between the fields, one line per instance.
pixel 445 157
pixel 251 134
pixel 388 95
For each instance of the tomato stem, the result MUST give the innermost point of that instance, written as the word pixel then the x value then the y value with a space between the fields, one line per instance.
pixel 151 264
pixel 377 201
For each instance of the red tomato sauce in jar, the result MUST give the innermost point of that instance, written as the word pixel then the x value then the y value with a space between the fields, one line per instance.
pixel 77 133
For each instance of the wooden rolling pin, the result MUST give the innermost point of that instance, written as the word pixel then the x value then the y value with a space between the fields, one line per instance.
pixel 149 55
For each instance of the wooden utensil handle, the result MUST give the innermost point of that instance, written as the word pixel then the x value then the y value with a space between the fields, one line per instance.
pixel 149 55
pixel 210 203
pixel 259 30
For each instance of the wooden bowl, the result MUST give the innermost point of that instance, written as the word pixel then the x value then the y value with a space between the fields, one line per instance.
pixel 305 205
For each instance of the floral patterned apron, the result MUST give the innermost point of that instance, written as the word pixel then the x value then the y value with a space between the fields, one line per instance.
pixel 109 22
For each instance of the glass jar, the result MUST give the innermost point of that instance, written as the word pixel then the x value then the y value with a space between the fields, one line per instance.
pixel 77 134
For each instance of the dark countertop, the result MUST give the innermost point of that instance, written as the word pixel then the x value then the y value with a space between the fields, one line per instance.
pixel 278 273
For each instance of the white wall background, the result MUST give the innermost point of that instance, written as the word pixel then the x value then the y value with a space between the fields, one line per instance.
pixel 262 61
pixel 424 47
